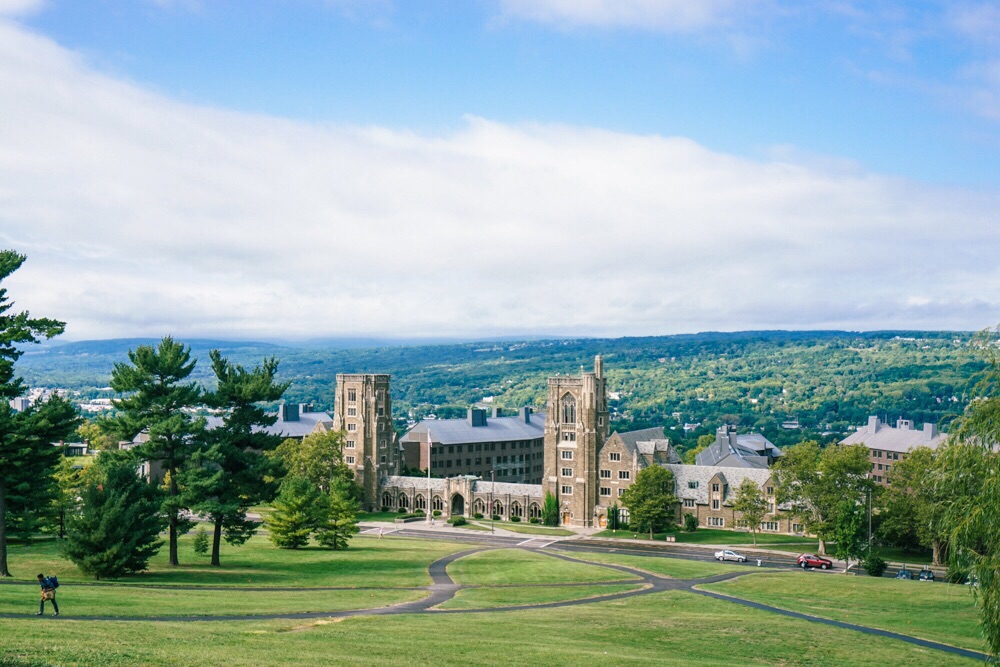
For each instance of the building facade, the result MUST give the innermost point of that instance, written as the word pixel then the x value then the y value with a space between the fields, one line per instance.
pixel 888 445
pixel 363 411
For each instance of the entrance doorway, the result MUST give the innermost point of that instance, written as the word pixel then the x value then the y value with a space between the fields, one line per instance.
pixel 457 505
pixel 565 518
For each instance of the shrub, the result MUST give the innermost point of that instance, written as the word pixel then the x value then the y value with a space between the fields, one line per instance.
pixel 515 519
pixel 478 515
pixel 420 513
pixel 533 519
pixel 401 510
pixel 201 541
pixel 497 517
pixel 437 513
pixel 457 520
pixel 690 522
pixel 386 508
pixel 874 564
pixel 550 510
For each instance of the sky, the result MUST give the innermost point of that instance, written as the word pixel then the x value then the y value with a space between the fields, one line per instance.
pixel 301 169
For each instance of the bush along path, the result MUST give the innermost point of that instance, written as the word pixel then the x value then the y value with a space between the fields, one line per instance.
pixel 443 588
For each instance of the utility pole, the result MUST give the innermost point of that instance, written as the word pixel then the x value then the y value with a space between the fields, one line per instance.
pixel 492 514
pixel 429 511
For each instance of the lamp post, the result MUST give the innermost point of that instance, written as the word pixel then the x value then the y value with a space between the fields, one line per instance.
pixel 429 511
pixel 492 514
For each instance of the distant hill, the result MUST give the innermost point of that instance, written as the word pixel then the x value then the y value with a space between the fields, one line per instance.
pixel 827 380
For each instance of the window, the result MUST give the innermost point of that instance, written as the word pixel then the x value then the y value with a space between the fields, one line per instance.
pixel 437 504
pixel 568 409
pixel 350 460
pixel 606 491
pixel 796 527
pixel 349 444
pixel 566 455
pixel 569 436
pixel 566 490
pixel 895 456
pixel 468 462
pixel 479 460
pixel 420 503
pixel 769 525
pixel 716 521
pixel 381 412
pixel 489 460
pixel 692 485
pixel 715 488
pixel 566 472
pixel 382 459
pixel 381 444
pixel 770 490
pixel 352 395
pixel 615 456
pixel 352 411
pixel 605 474
pixel 715 504
pixel 447 464
pixel 624 474
pixel 534 511
pixel 879 466
pixel 688 502
pixel 351 428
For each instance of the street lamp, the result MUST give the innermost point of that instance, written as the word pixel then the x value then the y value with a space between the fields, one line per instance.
pixel 428 504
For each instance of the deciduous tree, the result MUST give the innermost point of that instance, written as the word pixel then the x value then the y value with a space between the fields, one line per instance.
pixel 650 500
pixel 749 501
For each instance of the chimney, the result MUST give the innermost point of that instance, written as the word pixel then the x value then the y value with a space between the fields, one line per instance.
pixel 904 424
pixel 526 414
pixel 288 413
pixel 599 366
pixel 477 417
pixel 305 407
pixel 873 425
pixel 496 412
pixel 930 431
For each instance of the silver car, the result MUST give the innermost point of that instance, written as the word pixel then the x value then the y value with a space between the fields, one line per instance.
pixel 726 554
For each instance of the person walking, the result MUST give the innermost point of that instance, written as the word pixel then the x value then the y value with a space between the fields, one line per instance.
pixel 48 593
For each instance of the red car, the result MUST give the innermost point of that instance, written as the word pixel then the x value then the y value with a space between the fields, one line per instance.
pixel 808 560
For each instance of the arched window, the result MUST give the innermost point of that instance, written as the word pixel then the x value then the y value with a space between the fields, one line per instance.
pixel 568 409
pixel 404 502
pixel 437 504
pixel 534 511
pixel 498 508
pixel 420 502
pixel 387 499
pixel 478 506
pixel 516 509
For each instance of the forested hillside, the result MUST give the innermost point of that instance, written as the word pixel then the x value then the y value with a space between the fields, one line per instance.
pixel 828 381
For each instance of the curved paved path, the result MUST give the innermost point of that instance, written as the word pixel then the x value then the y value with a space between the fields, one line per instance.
pixel 443 588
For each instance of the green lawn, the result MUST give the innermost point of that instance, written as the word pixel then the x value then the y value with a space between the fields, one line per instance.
pixel 380 516
pixel 940 612
pixel 111 600
pixel 484 598
pixel 530 529
pixel 714 536
pixel 516 566
pixel 369 561
pixel 665 567
pixel 672 629
pixel 475 527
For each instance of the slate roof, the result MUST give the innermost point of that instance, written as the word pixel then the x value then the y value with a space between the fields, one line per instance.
pixel 459 431
pixel 704 474
pixel 418 483
pixel 751 450
pixel 498 489
pixel 290 429
pixel 886 438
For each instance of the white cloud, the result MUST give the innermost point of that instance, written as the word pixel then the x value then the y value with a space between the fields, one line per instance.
pixel 144 216
pixel 659 15
pixel 16 7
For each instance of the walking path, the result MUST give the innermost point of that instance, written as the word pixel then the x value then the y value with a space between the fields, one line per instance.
pixel 444 588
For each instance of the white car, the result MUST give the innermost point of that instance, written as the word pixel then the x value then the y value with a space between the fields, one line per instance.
pixel 730 555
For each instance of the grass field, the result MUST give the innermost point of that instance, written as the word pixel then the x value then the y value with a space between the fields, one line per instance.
pixel 940 612
pixel 675 568
pixel 516 566
pixel 672 628
pixel 484 598
pixel 529 528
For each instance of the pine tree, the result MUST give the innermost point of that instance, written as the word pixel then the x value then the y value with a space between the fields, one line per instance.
pixel 228 476
pixel 155 402
pixel 298 510
pixel 339 522
pixel 27 456
pixel 117 529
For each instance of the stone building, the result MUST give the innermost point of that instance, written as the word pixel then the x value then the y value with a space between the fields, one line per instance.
pixel 707 492
pixel 730 450
pixel 363 411
pixel 509 447
pixel 463 495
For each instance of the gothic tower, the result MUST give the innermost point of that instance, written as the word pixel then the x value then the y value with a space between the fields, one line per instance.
pixel 576 426
pixel 363 410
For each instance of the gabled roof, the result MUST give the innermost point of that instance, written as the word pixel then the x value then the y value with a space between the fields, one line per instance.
pixel 703 476
pixel 299 428
pixel 878 435
pixel 460 431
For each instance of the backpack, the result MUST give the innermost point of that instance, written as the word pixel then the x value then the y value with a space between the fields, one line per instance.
pixel 53 583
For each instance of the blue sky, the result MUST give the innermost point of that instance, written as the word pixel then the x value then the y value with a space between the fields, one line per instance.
pixel 665 166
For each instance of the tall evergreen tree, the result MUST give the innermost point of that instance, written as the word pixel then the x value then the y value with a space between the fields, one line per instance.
pixel 298 510
pixel 156 401
pixel 117 528
pixel 26 456
pixel 339 521
pixel 229 474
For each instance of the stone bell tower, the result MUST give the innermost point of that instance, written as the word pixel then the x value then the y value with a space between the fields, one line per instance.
pixel 576 426
pixel 362 409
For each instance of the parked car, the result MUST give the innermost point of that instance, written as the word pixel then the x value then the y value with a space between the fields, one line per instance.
pixel 926 575
pixel 904 574
pixel 808 560
pixel 726 554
